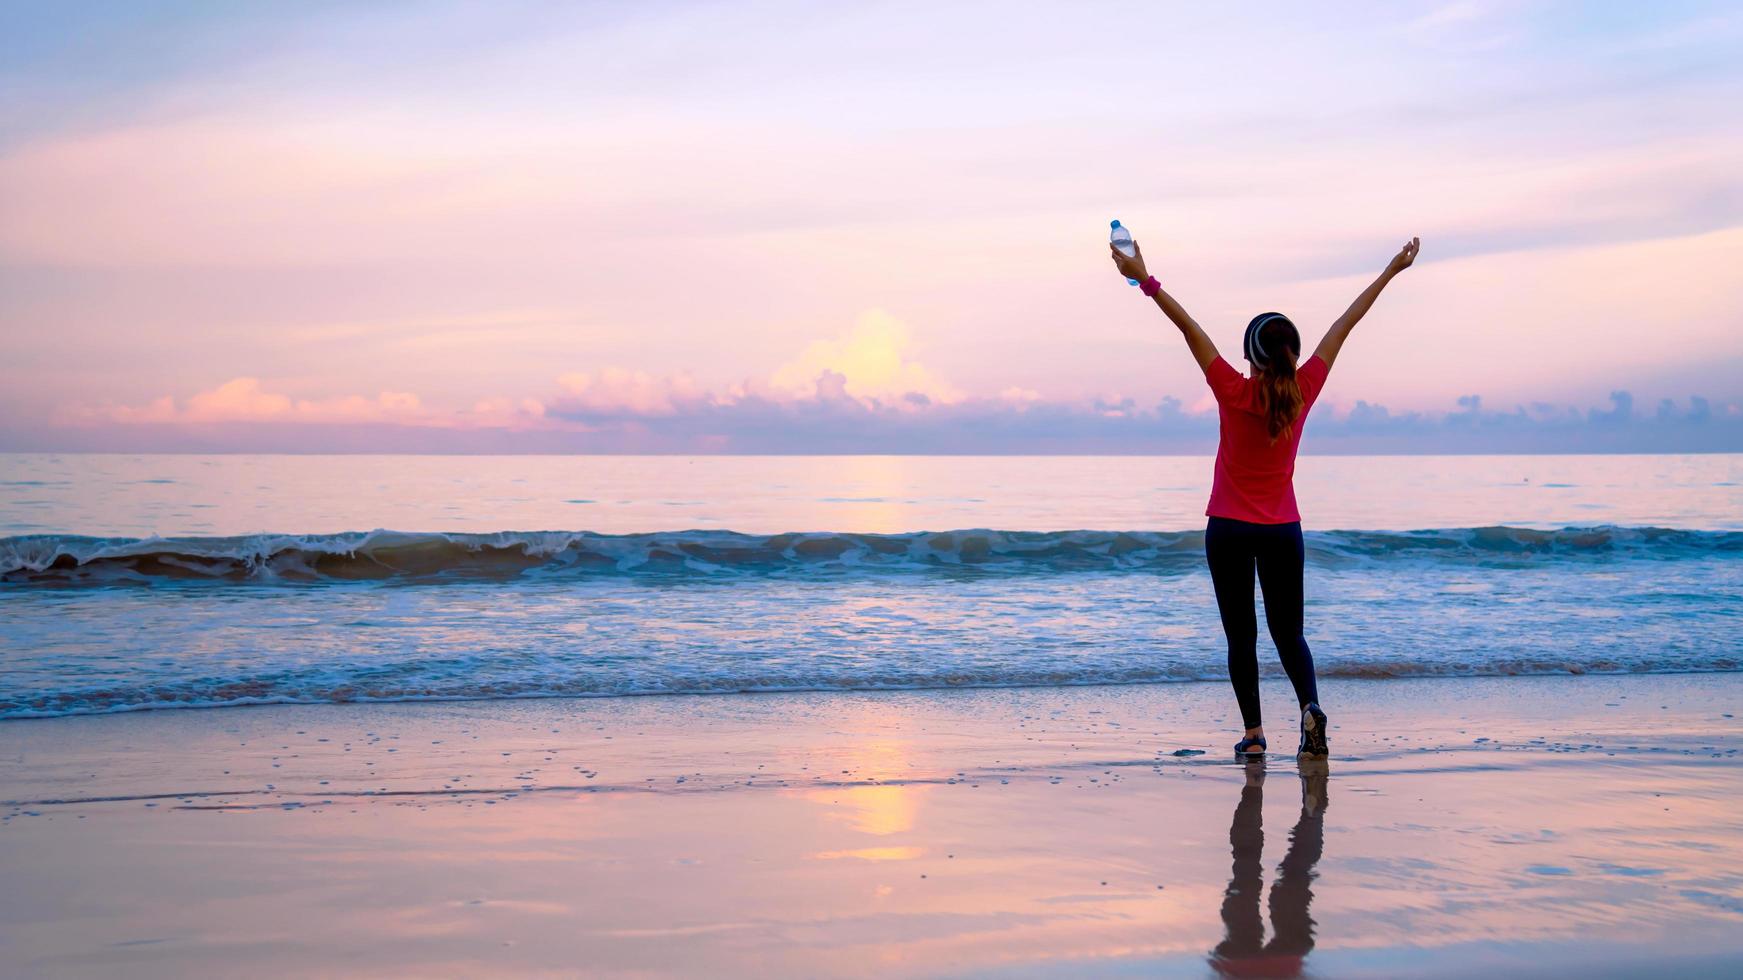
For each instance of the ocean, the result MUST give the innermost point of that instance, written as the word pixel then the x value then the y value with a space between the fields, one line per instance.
pixel 150 582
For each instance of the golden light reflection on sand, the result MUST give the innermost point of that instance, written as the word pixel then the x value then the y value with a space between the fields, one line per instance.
pixel 876 810
pixel 877 807
pixel 873 854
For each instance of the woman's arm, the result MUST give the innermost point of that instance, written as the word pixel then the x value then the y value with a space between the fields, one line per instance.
pixel 1340 329
pixel 1132 267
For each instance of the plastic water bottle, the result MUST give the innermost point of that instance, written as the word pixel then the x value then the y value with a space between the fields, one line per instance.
pixel 1122 240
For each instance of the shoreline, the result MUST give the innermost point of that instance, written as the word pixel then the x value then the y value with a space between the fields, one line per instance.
pixel 1271 674
pixel 949 832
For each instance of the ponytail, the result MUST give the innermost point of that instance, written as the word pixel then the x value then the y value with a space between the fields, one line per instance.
pixel 1272 344
pixel 1280 398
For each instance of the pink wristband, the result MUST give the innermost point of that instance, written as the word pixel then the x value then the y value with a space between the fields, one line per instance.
pixel 1151 287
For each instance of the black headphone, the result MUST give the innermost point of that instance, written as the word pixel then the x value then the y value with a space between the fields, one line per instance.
pixel 1255 352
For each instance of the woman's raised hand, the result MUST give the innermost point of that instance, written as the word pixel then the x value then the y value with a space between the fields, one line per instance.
pixel 1130 266
pixel 1405 256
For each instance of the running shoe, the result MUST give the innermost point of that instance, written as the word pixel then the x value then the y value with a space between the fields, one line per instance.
pixel 1313 732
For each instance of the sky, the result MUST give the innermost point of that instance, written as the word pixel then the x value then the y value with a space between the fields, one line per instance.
pixel 869 227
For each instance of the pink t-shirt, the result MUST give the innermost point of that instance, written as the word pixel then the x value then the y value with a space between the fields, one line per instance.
pixel 1255 480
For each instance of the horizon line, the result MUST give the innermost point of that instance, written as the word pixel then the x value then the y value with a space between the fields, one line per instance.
pixel 750 455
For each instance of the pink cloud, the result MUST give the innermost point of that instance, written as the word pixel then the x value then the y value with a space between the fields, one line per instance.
pixel 509 413
pixel 616 389
pixel 246 400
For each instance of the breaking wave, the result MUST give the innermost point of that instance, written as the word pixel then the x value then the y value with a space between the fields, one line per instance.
pixel 433 557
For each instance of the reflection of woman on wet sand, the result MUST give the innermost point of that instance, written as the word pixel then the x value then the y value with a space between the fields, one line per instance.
pixel 1243 951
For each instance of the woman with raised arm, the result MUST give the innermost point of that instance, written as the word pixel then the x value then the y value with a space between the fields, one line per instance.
pixel 1253 521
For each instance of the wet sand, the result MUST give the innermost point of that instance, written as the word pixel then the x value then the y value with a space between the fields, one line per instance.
pixel 1513 826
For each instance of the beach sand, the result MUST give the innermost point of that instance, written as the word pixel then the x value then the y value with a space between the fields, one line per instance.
pixel 1512 826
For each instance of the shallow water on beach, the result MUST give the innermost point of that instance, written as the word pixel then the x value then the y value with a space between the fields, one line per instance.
pixel 603 576
pixel 1510 827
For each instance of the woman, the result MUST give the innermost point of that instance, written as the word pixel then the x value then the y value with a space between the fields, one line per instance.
pixel 1253 521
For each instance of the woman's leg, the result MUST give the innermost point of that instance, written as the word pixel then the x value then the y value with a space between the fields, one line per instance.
pixel 1229 553
pixel 1281 558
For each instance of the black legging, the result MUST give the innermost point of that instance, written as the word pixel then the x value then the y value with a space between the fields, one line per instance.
pixel 1233 548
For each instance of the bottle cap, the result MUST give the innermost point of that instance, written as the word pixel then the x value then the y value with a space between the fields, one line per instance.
pixel 1116 223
